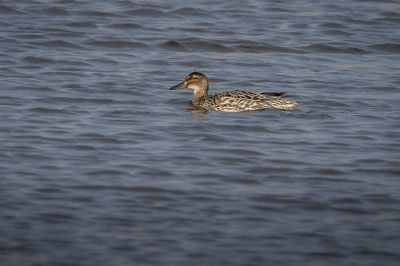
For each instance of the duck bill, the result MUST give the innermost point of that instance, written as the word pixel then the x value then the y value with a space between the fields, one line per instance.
pixel 178 86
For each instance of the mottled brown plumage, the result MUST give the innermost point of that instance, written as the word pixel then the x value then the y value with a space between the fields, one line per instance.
pixel 233 101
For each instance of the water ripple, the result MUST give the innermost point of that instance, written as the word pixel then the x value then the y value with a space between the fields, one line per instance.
pixel 102 14
pixel 386 47
pixel 56 44
pixel 125 26
pixel 116 44
pixel 263 48
pixel 324 48
pixel 146 12
pixel 190 11
pixel 37 60
pixel 174 46
pixel 138 189
pixel 6 10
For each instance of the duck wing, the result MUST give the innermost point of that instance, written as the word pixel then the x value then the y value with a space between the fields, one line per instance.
pixel 237 101
pixel 248 95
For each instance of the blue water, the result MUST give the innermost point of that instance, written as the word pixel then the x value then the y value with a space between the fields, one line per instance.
pixel 102 165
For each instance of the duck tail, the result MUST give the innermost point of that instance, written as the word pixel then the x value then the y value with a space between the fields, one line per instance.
pixel 283 104
pixel 275 93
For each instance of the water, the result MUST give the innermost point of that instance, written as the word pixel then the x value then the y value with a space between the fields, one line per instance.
pixel 102 165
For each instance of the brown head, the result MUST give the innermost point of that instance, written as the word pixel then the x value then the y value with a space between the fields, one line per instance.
pixel 196 81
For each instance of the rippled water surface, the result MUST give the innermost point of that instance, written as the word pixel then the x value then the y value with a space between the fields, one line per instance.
pixel 102 165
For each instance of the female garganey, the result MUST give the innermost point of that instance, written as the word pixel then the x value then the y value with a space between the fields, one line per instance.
pixel 233 101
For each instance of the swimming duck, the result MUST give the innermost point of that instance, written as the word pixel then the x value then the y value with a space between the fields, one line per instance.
pixel 232 101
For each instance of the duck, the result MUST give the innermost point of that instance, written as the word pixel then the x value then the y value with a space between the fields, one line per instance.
pixel 232 101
